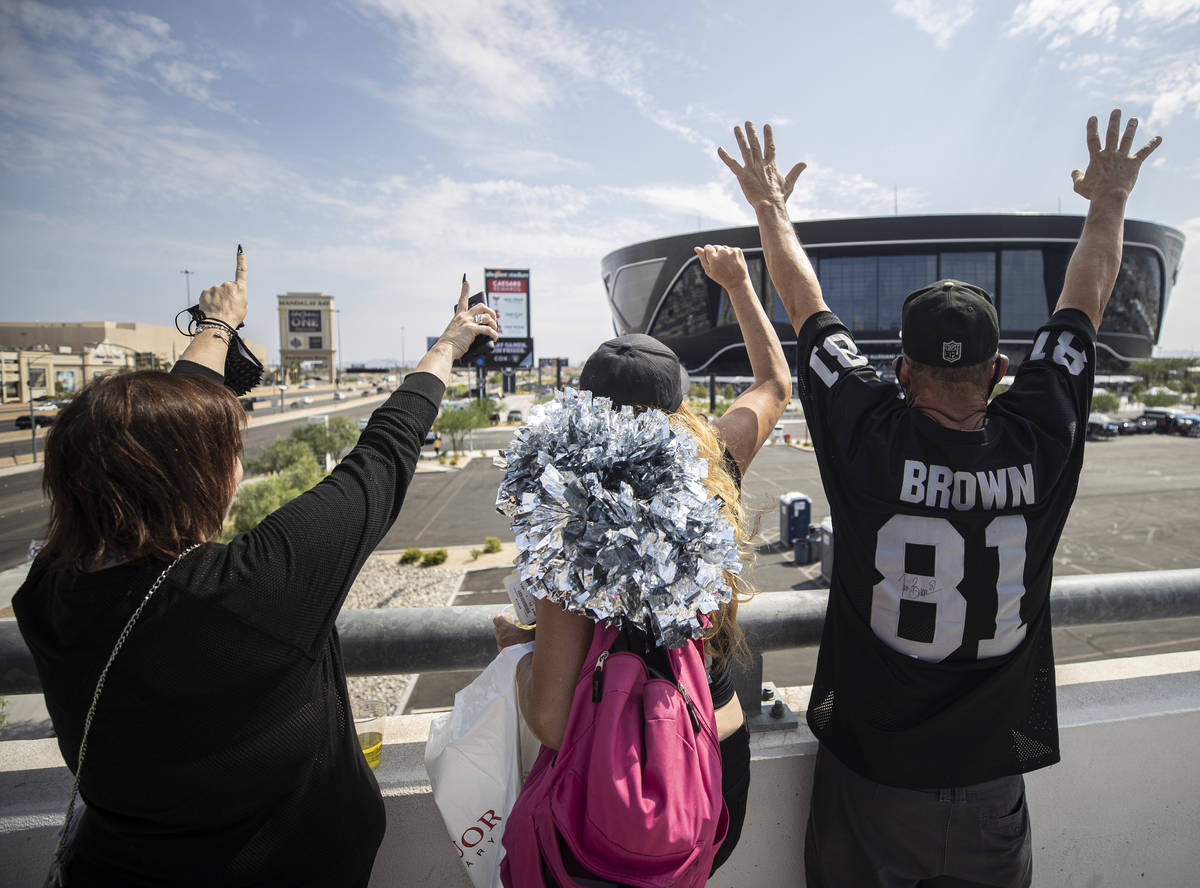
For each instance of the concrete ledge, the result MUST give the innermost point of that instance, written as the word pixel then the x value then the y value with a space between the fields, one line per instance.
pixel 1121 808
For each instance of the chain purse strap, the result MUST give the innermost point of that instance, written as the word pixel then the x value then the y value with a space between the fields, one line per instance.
pixel 87 723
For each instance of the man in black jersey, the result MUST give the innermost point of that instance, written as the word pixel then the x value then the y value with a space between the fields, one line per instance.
pixel 934 689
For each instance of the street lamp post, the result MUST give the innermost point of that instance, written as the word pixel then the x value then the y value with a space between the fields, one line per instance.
pixel 187 273
pixel 337 373
pixel 29 388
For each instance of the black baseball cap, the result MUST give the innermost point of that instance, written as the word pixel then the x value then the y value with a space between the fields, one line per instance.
pixel 637 370
pixel 949 324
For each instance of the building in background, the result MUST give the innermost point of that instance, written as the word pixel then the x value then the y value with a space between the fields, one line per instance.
pixel 49 359
pixel 866 268
pixel 307 340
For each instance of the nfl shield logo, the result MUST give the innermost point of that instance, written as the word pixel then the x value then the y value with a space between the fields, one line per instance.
pixel 951 351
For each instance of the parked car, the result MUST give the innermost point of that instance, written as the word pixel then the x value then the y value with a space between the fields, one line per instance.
pixel 39 419
pixel 432 437
pixel 1126 426
pixel 1145 426
pixel 362 422
pixel 515 416
pixel 340 396
pixel 494 418
pixel 1188 424
pixel 1100 426
pixel 1163 418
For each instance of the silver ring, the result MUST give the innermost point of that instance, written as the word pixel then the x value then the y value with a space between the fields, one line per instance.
pixel 479 319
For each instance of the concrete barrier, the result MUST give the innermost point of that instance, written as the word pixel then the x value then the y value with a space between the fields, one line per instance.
pixel 1121 809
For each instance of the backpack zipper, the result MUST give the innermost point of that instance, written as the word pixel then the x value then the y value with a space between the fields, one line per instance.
pixel 598 677
pixel 690 707
pixel 598 688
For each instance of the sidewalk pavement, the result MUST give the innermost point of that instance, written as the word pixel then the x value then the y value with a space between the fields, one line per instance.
pixel 23 462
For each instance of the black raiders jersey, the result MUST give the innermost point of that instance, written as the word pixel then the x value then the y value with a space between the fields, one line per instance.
pixel 936 667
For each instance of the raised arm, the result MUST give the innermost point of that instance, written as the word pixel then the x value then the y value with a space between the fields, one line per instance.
pixel 1110 176
pixel 767 192
pixel 225 302
pixel 457 338
pixel 749 420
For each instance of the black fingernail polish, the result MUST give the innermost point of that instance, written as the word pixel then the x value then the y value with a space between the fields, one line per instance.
pixel 464 277
pixel 239 249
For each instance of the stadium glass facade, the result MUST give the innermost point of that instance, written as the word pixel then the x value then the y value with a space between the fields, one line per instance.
pixel 867 267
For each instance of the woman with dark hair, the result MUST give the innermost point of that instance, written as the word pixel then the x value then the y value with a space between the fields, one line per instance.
pixel 222 751
pixel 638 371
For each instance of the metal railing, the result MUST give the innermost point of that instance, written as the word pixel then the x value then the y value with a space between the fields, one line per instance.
pixel 438 639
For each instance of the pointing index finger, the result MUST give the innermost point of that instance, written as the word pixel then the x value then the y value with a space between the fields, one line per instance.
pixel 462 294
pixel 239 276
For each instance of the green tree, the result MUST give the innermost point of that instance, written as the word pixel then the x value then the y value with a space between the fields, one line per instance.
pixel 1105 402
pixel 1162 399
pixel 1161 371
pixel 728 393
pixel 280 454
pixel 332 436
pixel 456 422
pixel 258 499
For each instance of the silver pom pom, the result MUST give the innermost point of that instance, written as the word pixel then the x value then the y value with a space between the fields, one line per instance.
pixel 612 517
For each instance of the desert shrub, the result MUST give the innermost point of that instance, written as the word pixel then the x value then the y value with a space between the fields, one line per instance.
pixel 1105 402
pixel 434 556
pixel 410 556
pixel 1161 399
pixel 491 544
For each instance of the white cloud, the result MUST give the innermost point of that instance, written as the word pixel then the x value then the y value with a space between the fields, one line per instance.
pixel 129 44
pixel 713 202
pixel 1061 21
pixel 1169 83
pixel 941 19
pixel 1170 87
pixel 505 60
pixel 1170 12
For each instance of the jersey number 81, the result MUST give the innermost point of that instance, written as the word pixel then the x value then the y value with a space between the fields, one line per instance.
pixel 1006 533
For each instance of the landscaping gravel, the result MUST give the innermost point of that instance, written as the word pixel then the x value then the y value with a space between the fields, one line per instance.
pixel 384 582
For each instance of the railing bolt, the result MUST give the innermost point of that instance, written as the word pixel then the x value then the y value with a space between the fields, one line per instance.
pixel 777 709
pixel 767 694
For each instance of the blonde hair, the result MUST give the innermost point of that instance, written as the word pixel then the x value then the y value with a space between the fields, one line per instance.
pixel 725 638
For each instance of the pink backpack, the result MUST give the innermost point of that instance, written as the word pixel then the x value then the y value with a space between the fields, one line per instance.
pixel 634 793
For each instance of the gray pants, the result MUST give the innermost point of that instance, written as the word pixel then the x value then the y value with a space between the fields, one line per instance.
pixel 868 835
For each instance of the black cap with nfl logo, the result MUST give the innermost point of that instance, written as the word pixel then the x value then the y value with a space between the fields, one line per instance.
pixel 949 324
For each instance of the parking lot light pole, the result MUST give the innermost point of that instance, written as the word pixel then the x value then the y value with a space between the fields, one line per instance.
pixel 29 387
pixel 32 425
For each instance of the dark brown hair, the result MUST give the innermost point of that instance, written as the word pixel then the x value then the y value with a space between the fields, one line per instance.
pixel 140 465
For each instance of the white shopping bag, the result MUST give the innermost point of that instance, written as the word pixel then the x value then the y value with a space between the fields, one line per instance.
pixel 476 766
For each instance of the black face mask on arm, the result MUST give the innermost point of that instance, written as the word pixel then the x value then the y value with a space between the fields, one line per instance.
pixel 243 371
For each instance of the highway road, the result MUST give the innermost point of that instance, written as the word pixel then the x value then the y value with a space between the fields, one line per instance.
pixel 23 512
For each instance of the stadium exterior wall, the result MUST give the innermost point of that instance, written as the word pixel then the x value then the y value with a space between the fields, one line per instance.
pixel 868 265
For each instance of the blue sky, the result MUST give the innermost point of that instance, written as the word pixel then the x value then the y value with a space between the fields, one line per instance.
pixel 378 149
